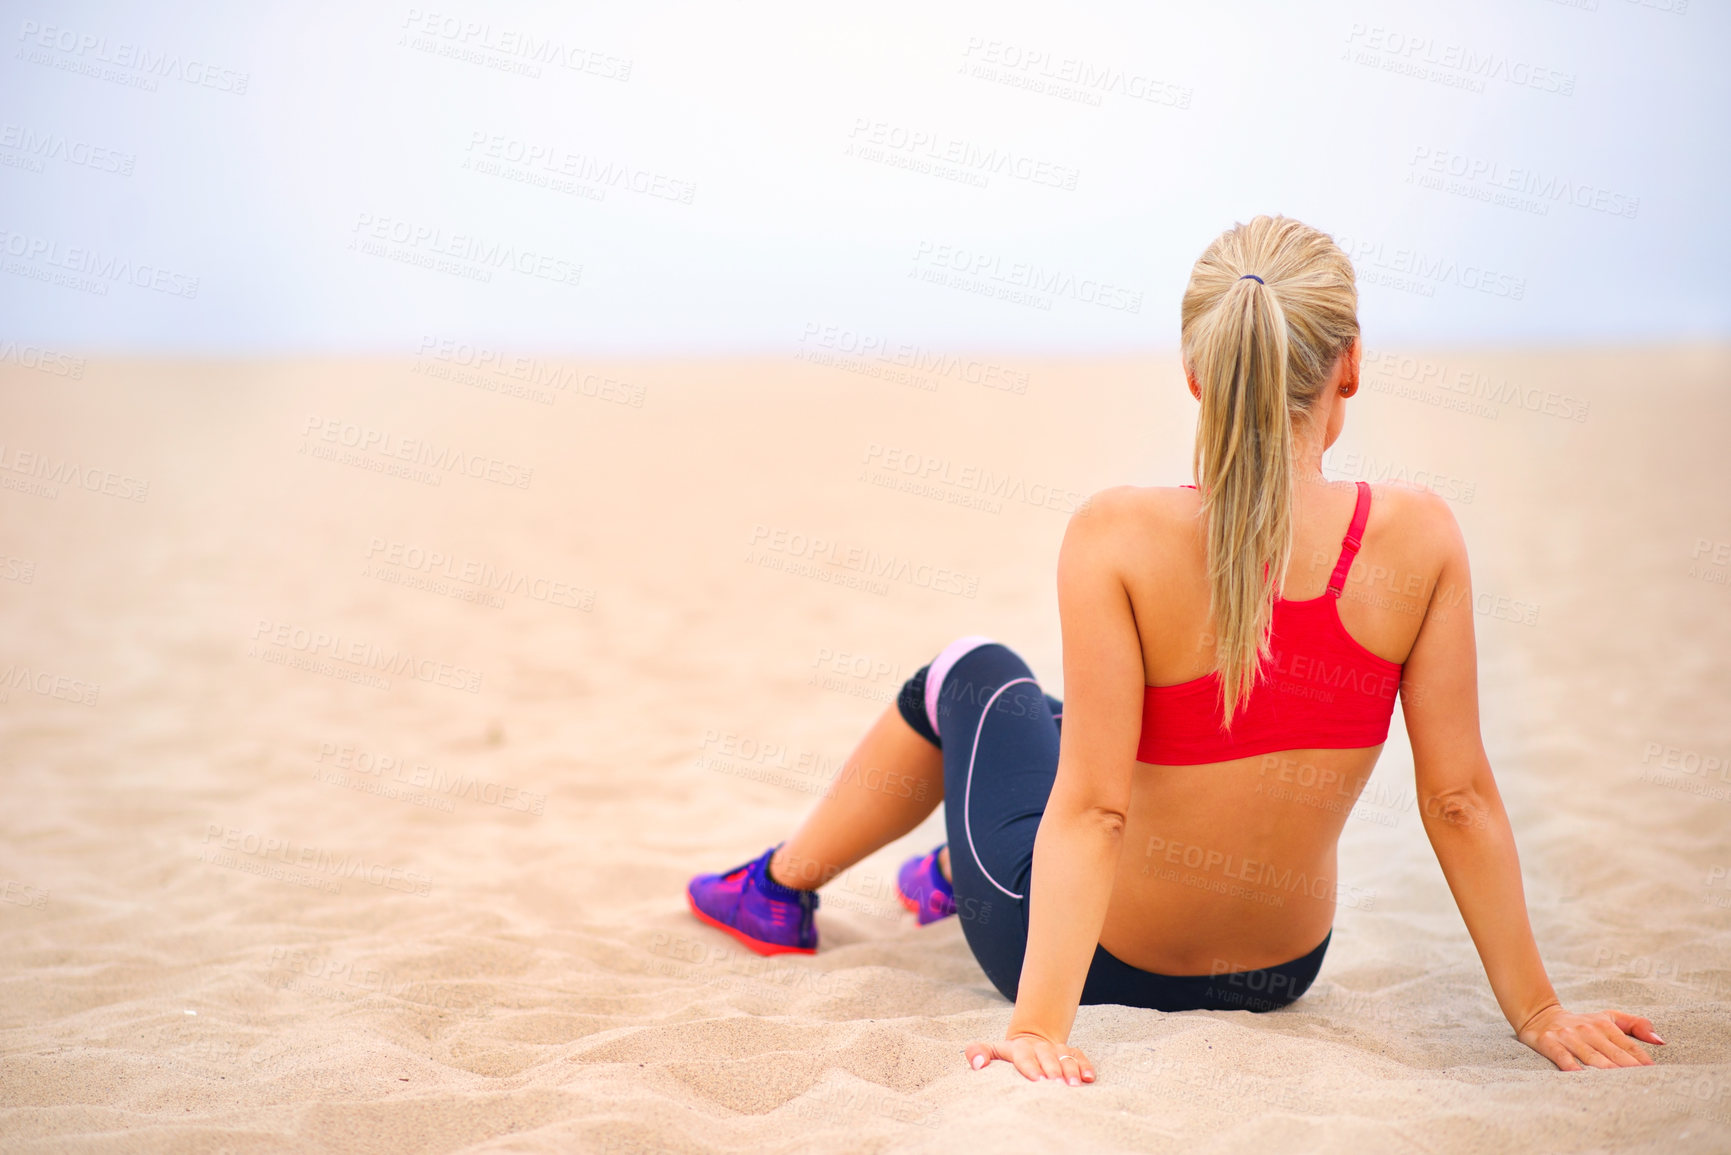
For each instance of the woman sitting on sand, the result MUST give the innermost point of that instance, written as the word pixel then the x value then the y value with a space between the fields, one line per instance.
pixel 1216 731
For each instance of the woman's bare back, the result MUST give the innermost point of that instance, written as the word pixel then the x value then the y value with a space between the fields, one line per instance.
pixel 1230 866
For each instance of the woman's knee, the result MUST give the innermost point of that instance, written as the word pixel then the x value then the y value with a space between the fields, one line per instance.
pixel 938 674
pixel 919 697
pixel 969 672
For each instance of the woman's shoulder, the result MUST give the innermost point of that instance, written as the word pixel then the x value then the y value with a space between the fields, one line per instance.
pixel 1414 531
pixel 1413 512
pixel 1141 501
pixel 1131 522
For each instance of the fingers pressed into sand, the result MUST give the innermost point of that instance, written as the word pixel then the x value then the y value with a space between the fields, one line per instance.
pixel 1557 1053
pixel 1636 1026
pixel 1049 1064
pixel 1622 1049
pixel 1035 1059
pixel 1027 1060
pixel 1582 1044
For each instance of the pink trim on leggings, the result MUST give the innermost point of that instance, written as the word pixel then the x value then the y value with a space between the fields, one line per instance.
pixel 940 669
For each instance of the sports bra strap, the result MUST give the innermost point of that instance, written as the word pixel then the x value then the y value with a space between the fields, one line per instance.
pixel 1354 538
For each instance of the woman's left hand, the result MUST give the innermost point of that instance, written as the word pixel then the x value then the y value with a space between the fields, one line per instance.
pixel 1036 1056
pixel 1574 1041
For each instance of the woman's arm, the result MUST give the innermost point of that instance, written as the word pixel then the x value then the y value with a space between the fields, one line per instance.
pixel 1076 850
pixel 1464 818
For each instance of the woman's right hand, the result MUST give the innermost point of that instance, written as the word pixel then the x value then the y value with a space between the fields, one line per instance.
pixel 1572 1041
pixel 1036 1057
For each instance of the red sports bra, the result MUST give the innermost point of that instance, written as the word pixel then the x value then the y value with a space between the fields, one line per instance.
pixel 1319 689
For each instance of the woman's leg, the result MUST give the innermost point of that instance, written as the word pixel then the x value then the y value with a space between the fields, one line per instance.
pixel 1000 734
pixel 885 788
pixel 892 781
pixel 895 777
pixel 889 784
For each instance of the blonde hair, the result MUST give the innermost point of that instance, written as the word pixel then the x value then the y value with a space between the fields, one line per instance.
pixel 1260 352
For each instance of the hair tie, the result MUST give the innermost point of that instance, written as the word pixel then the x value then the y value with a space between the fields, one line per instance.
pixel 1253 277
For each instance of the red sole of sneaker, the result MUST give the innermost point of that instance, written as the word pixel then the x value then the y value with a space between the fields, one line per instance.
pixel 758 945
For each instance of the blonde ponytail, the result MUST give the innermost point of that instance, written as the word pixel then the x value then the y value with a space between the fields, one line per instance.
pixel 1270 307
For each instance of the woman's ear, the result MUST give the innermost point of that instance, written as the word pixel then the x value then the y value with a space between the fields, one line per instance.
pixel 1349 368
pixel 1190 380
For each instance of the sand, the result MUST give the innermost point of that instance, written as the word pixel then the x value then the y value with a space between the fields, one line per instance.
pixel 348 801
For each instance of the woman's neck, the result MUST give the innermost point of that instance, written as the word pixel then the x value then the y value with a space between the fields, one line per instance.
pixel 1307 460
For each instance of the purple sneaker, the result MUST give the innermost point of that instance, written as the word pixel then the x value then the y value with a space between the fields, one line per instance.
pixel 922 888
pixel 755 909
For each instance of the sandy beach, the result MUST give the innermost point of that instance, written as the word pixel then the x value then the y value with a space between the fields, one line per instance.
pixel 361 722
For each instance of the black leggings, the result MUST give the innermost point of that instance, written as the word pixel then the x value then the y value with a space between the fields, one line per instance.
pixel 997 777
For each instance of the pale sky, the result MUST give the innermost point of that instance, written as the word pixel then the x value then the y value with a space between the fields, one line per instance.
pixel 726 176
